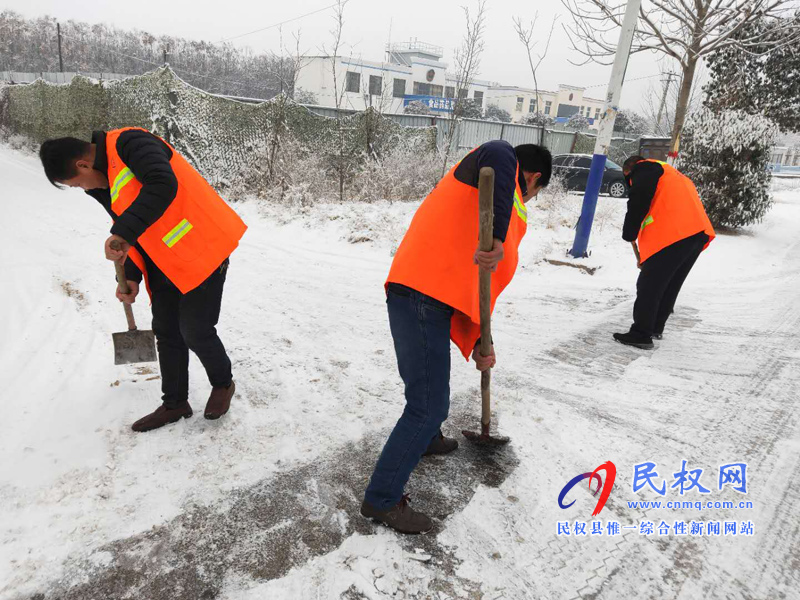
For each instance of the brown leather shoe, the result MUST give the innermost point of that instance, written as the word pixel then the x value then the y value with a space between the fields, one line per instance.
pixel 401 517
pixel 441 445
pixel 219 401
pixel 161 416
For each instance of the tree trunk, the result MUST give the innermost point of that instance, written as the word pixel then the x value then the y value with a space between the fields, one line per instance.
pixel 682 107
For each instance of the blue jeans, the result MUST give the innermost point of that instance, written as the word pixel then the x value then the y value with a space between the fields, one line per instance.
pixel 421 330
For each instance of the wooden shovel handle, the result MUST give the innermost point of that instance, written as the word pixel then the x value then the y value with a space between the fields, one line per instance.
pixel 122 283
pixel 485 242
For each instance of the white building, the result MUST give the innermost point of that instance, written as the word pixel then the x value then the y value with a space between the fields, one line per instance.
pixel 412 71
pixel 560 105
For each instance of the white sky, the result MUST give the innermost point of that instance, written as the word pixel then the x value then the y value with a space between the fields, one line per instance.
pixel 368 26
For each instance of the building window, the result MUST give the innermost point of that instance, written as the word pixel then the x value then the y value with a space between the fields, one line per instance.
pixel 520 102
pixel 375 85
pixel 570 97
pixel 437 90
pixel 596 113
pixel 353 82
pixel 422 89
pixel 548 107
pixel 532 106
pixel 399 89
pixel 478 97
pixel 580 112
pixel 450 91
pixel 462 93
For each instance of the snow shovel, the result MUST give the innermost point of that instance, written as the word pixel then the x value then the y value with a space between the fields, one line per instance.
pixel 486 207
pixel 134 345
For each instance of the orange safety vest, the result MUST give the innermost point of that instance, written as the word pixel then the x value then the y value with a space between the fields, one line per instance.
pixel 435 256
pixel 676 213
pixel 194 235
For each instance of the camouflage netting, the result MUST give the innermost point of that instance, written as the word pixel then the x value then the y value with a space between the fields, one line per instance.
pixel 235 145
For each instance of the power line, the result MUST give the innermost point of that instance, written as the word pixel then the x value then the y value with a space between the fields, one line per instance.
pixel 235 37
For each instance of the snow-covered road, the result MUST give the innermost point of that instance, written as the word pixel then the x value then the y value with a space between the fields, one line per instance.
pixel 263 503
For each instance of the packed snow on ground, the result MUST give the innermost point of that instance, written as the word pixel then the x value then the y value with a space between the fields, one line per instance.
pixel 263 503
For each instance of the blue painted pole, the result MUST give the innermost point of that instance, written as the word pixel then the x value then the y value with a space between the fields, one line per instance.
pixel 584 229
pixel 581 244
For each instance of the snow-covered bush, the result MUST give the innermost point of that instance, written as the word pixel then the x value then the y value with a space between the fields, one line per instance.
pixel 404 173
pixel 539 119
pixel 628 121
pixel 578 122
pixel 726 154
pixel 495 113
pixel 302 96
pixel 417 107
pixel 468 108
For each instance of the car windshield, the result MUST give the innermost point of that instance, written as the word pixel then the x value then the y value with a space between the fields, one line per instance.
pixel 612 165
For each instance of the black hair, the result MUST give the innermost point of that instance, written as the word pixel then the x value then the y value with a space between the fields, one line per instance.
pixel 59 157
pixel 535 159
pixel 630 161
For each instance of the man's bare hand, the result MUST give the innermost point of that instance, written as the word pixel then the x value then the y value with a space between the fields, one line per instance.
pixel 636 252
pixel 117 255
pixel 129 298
pixel 489 260
pixel 482 363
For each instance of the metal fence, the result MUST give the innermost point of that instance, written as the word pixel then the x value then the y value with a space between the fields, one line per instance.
pixel 474 132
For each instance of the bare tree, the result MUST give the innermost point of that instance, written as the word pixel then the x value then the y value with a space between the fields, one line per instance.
pixel 685 30
pixel 661 97
pixel 290 63
pixel 467 62
pixel 534 59
pixel 339 88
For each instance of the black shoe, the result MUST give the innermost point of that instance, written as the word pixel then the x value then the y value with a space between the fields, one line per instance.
pixel 637 340
pixel 441 445
pixel 401 517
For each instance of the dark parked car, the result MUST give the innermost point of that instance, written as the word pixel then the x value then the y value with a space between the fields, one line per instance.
pixel 574 169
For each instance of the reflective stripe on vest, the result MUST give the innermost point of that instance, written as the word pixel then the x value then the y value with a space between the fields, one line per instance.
pixel 123 178
pixel 520 207
pixel 177 232
pixel 648 219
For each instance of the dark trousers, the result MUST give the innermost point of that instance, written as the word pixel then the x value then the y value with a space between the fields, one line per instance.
pixel 660 281
pixel 183 322
pixel 420 327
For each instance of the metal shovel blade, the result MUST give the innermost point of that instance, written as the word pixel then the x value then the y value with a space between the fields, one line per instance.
pixel 134 346
pixel 484 438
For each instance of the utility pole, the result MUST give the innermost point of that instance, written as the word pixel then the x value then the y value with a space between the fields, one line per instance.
pixel 663 100
pixel 595 181
pixel 165 55
pixel 60 57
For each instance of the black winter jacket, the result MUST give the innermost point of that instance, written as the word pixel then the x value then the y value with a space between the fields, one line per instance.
pixel 643 183
pixel 147 156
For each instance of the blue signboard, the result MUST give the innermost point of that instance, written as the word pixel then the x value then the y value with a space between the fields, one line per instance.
pixel 435 103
